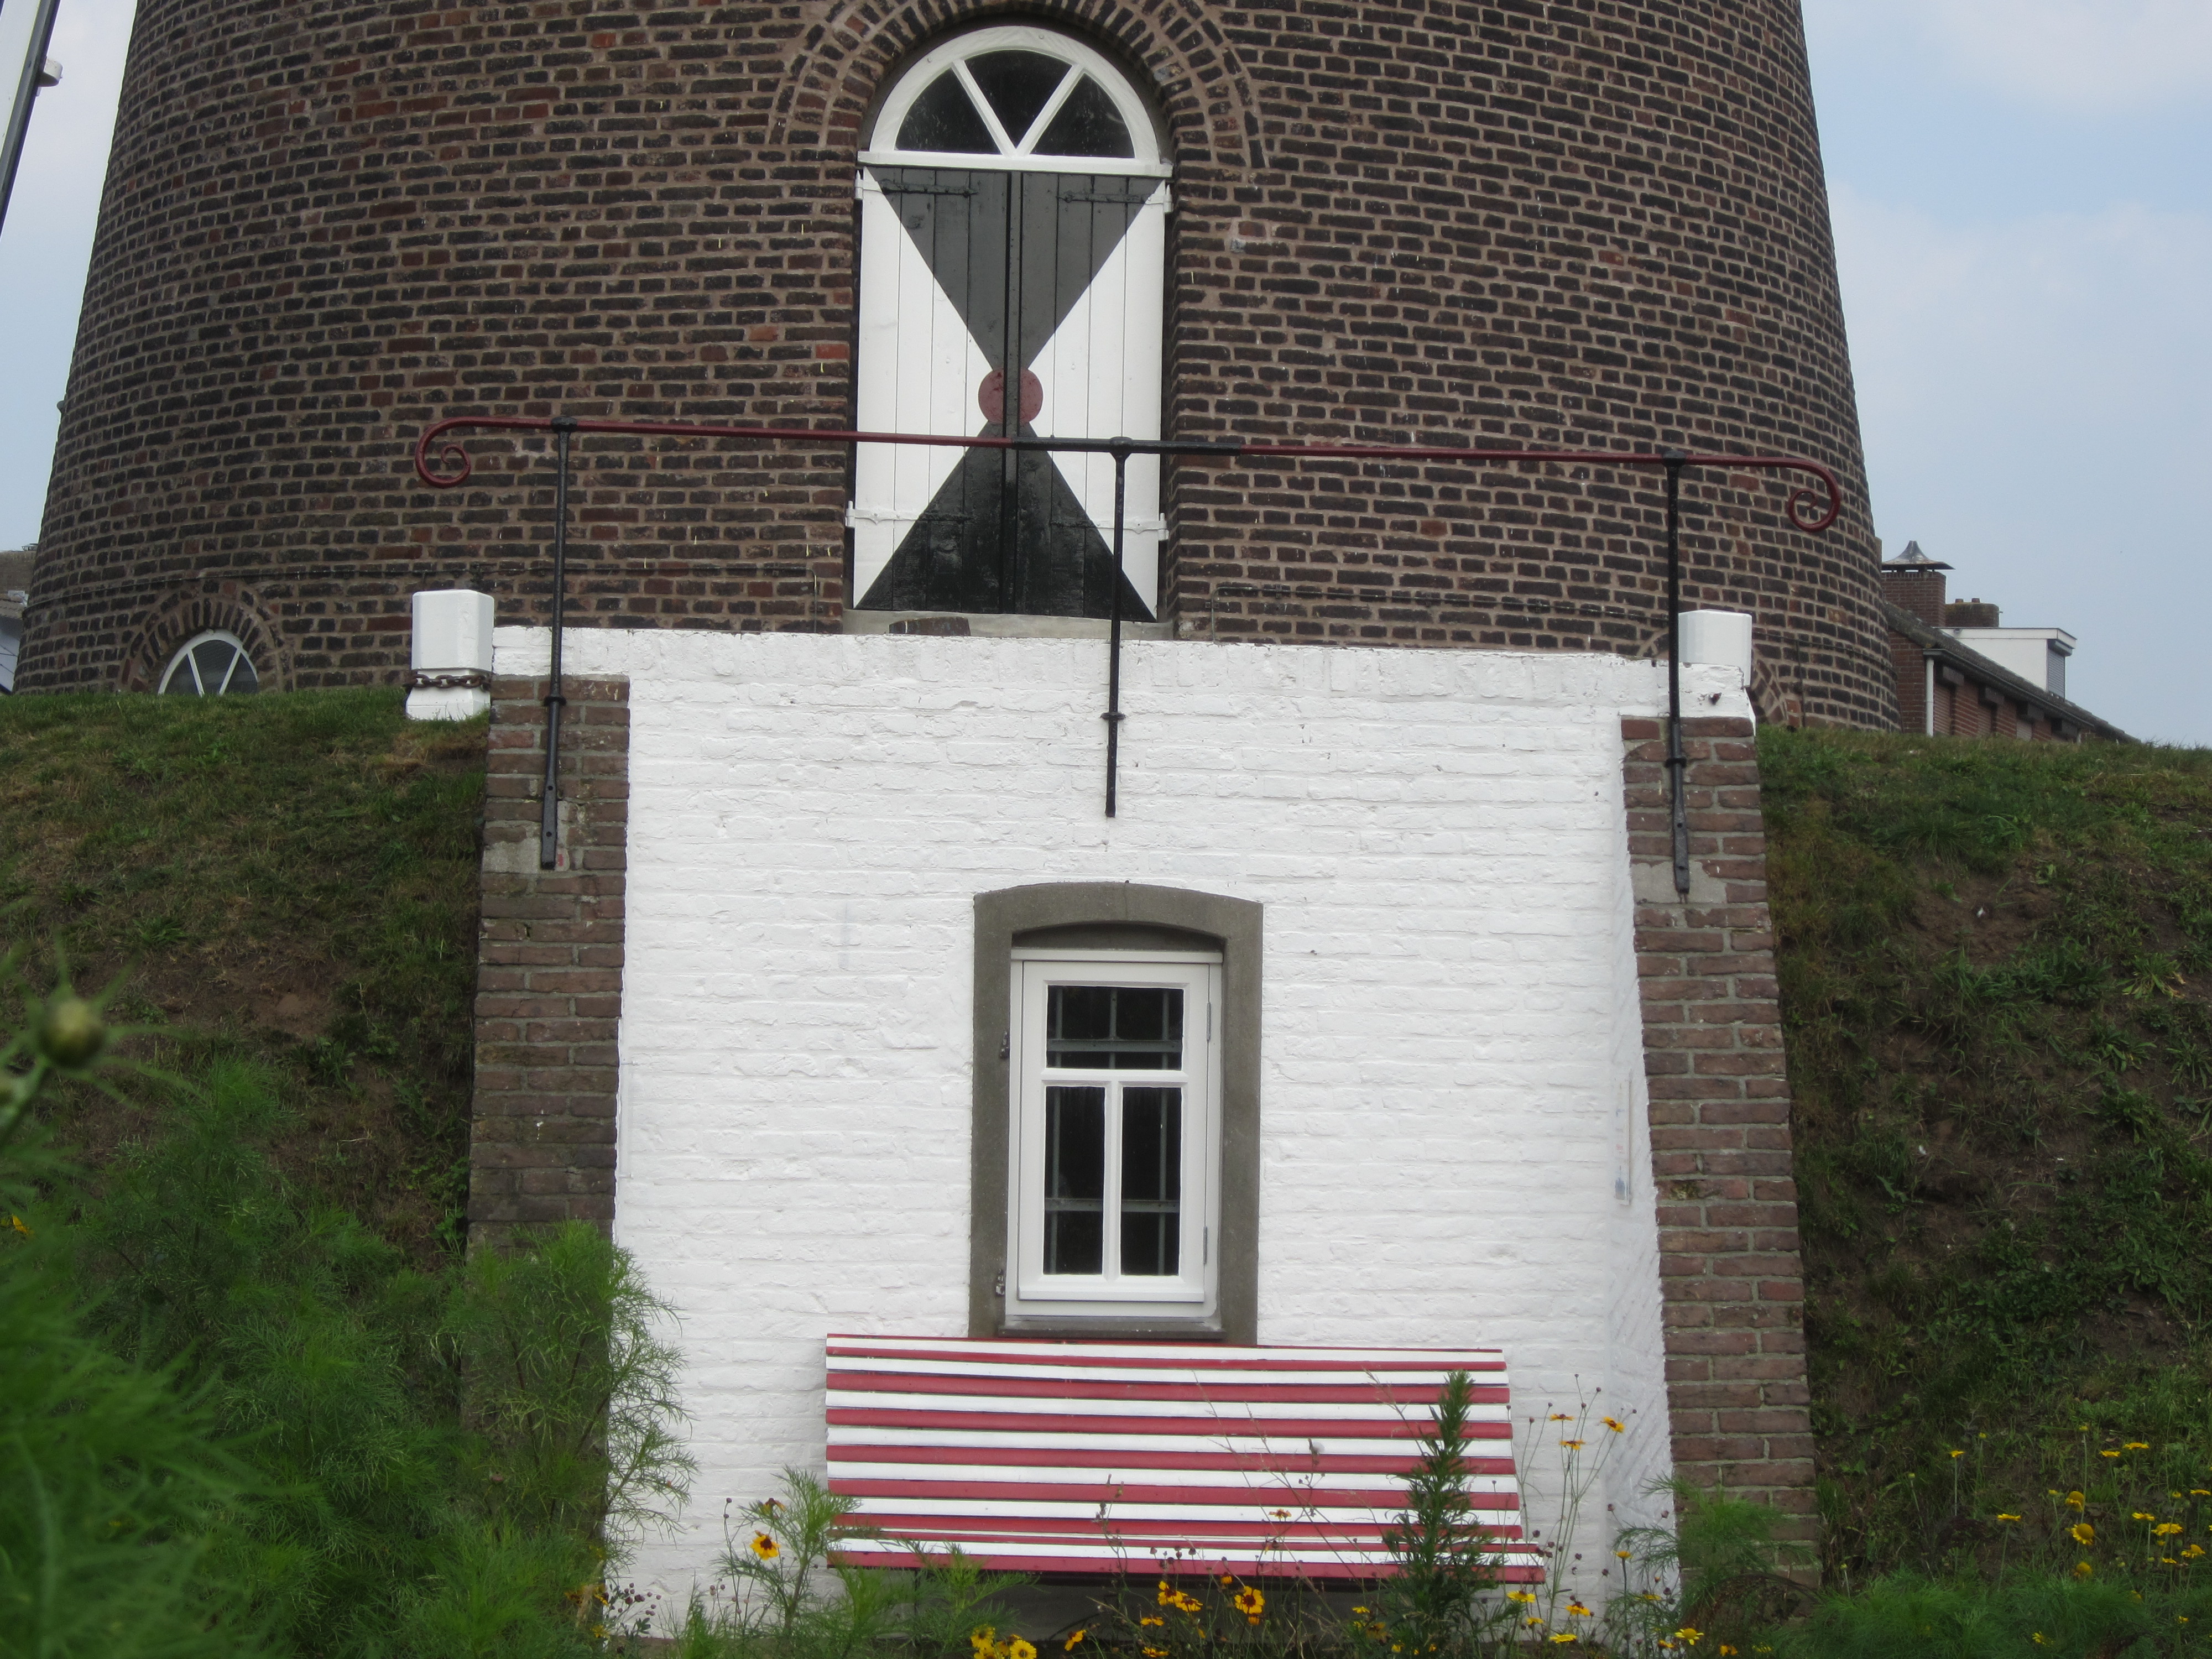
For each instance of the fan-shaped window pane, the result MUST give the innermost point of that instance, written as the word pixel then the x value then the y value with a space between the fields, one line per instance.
pixel 944 119
pixel 1019 84
pixel 209 666
pixel 1087 125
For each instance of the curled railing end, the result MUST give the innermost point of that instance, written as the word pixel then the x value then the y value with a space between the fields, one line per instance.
pixel 449 453
pixel 1807 510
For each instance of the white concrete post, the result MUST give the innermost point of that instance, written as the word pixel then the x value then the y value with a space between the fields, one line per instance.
pixel 1721 638
pixel 452 658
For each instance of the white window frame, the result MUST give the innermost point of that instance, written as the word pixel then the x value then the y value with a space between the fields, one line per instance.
pixel 181 661
pixel 1192 1295
pixel 1014 148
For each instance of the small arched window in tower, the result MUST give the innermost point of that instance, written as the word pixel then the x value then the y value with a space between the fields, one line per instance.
pixel 211 665
pixel 1013 237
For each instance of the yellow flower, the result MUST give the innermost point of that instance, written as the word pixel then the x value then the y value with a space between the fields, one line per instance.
pixel 2083 1569
pixel 1566 1636
pixel 2166 1529
pixel 2074 1500
pixel 984 1640
pixel 764 1547
pixel 20 1225
pixel 1069 1644
pixel 2082 1533
pixel 1154 1652
pixel 2007 1517
pixel 1149 1620
pixel 1572 1445
pixel 2194 1551
pixel 1577 1609
pixel 2038 1639
pixel 1689 1635
pixel 1617 1426
pixel 1622 1554
pixel 1018 1649
pixel 1227 1579
pixel 1251 1603
pixel 2139 1515
pixel 1958 1454
pixel 1524 1597
pixel 1561 1417
pixel 2108 1453
pixel 2135 1445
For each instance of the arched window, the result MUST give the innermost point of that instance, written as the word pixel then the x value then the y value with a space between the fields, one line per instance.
pixel 211 665
pixel 1013 233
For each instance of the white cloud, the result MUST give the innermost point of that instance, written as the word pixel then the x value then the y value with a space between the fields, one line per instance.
pixel 2032 396
pixel 2082 56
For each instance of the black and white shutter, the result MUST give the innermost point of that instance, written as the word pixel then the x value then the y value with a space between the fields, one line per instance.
pixel 1014 229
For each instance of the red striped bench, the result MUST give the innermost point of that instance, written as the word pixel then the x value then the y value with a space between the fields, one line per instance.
pixel 1098 1458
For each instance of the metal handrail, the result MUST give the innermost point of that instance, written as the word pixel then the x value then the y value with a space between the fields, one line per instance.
pixel 1805 512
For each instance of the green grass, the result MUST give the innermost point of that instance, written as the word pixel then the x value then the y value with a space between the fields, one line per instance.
pixel 290 879
pixel 1994 961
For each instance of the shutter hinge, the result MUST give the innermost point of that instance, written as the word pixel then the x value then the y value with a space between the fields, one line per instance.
pixel 998 1284
pixel 1005 1045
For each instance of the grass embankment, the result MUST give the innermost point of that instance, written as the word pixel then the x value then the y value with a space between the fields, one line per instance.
pixel 1995 962
pixel 294 880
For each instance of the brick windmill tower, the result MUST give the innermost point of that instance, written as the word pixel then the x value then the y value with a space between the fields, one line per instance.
pixel 1602 225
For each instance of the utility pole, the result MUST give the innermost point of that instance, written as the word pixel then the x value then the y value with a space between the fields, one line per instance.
pixel 35 75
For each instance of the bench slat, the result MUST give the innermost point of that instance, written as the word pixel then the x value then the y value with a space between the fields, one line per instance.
pixel 1090 1458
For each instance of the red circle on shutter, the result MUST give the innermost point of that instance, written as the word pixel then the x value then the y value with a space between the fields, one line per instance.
pixel 991 396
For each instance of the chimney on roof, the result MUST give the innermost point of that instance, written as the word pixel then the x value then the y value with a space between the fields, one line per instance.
pixel 1913 582
pixel 1970 613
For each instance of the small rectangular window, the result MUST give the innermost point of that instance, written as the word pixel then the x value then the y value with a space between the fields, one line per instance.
pixel 1115 1135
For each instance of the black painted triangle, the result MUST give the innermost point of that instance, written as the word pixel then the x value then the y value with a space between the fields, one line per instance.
pixel 954 556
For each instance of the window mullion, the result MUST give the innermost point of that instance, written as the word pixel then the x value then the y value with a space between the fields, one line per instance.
pixel 1111 1257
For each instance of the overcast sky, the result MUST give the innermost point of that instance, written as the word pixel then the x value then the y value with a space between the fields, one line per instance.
pixel 2023 201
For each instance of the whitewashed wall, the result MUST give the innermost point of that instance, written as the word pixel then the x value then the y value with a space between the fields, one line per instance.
pixel 1452 1094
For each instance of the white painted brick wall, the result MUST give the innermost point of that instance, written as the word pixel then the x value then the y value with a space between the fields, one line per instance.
pixel 1451 1023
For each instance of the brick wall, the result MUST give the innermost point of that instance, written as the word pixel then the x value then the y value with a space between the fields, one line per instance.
pixel 549 978
pixel 1720 1125
pixel 1593 224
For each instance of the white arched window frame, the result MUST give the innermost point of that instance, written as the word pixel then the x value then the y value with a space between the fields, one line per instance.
pixel 213 664
pixel 1014 200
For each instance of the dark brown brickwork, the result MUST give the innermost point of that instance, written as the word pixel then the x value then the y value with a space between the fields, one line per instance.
pixel 550 961
pixel 1729 1267
pixel 1599 223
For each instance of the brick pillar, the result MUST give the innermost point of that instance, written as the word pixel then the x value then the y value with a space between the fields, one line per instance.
pixel 1730 1274
pixel 550 961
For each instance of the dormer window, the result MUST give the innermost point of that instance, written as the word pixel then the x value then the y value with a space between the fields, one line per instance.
pixel 1013 244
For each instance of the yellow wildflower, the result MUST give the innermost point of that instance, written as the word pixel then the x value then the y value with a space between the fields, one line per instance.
pixel 1561 1417
pixel 1577 1609
pixel 1018 1649
pixel 2038 1639
pixel 2166 1529
pixel 1524 1597
pixel 2074 1500
pixel 1251 1603
pixel 984 1640
pixel 1154 1652
pixel 2007 1517
pixel 2083 1569
pixel 20 1225
pixel 2135 1445
pixel 1069 1644
pixel 1565 1636
pixel 765 1546
pixel 1689 1637
pixel 1958 1454
pixel 1617 1426
pixel 2140 1516
pixel 1572 1445
pixel 2194 1551
pixel 2082 1533
pixel 2108 1453
pixel 1149 1620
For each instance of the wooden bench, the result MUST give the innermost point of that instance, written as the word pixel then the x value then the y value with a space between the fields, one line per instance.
pixel 1099 1458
